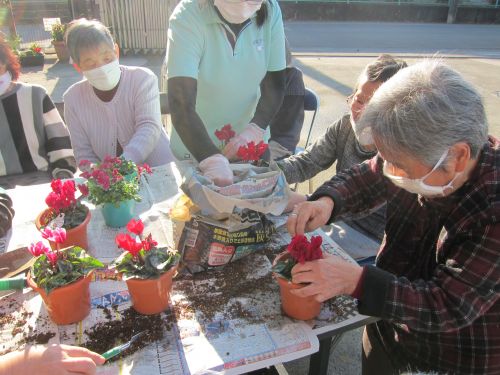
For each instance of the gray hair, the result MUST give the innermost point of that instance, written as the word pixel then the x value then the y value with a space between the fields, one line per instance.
pixel 86 34
pixel 424 110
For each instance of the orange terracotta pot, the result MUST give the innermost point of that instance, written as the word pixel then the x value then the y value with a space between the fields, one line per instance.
pixel 301 308
pixel 151 296
pixel 74 237
pixel 67 304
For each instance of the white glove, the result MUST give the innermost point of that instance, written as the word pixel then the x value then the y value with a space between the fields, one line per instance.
pixel 216 168
pixel 252 132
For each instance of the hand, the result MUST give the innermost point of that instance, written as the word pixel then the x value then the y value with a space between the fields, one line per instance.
pixel 293 200
pixel 50 360
pixel 216 168
pixel 307 216
pixel 328 277
pixel 252 132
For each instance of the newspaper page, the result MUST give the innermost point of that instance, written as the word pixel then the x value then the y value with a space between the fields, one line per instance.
pixel 230 320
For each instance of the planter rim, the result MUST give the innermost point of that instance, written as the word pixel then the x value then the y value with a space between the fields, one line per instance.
pixel 48 209
pixel 172 269
pixel 33 285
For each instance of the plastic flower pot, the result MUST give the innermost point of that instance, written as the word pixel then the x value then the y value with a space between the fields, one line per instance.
pixel 301 308
pixel 68 304
pixel 118 216
pixel 151 296
pixel 74 237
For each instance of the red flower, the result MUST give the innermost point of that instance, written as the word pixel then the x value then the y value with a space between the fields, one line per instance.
pixel 225 133
pixel 102 178
pixel 252 151
pixel 52 257
pixel 84 190
pixel 38 249
pixel 135 226
pixel 56 185
pixel 144 168
pixel 85 165
pixel 304 251
pixel 126 242
pixel 149 243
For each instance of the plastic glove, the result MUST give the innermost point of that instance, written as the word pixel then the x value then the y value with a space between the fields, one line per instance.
pixel 216 168
pixel 252 132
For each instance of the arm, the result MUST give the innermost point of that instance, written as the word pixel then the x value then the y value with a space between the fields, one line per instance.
pixel 79 139
pixel 272 90
pixel 463 288
pixel 187 123
pixel 54 359
pixel 58 145
pixel 316 158
pixel 147 120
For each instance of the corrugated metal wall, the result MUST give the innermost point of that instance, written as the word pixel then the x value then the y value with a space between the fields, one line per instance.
pixel 138 25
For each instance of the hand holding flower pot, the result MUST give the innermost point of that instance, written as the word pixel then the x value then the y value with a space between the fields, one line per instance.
pixel 147 269
pixel 66 211
pixel 62 278
pixel 300 250
pixel 114 184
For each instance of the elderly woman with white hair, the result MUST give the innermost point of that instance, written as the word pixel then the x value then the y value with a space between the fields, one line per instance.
pixel 115 110
pixel 436 283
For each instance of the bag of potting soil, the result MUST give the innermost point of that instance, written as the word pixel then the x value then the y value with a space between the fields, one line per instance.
pixel 207 243
pixel 262 189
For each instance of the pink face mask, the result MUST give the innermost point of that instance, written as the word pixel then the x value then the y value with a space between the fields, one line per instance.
pixel 236 11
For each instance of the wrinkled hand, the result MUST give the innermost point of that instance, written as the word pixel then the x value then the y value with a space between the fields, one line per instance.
pixel 50 360
pixel 216 168
pixel 308 216
pixel 252 132
pixel 328 277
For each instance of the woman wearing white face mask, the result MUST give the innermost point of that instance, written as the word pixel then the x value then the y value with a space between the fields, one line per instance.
pixel 341 144
pixel 115 110
pixel 225 64
pixel 33 136
pixel 436 281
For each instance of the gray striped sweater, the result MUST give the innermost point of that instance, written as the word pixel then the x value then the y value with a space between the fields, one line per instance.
pixel 33 136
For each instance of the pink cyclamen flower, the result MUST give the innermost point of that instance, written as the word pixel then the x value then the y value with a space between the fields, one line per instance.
pixel 57 235
pixel 52 257
pixel 38 248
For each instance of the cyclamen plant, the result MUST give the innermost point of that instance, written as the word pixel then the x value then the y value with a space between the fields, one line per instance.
pixel 225 134
pixel 301 251
pixel 62 200
pixel 114 180
pixel 142 259
pixel 252 152
pixel 54 269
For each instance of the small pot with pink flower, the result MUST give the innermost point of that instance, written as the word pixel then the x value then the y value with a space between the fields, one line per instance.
pixel 114 185
pixel 62 277
pixel 300 250
pixel 147 269
pixel 66 211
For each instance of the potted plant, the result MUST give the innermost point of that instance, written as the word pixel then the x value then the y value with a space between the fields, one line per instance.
pixel 300 250
pixel 58 42
pixel 114 184
pixel 66 211
pixel 32 56
pixel 62 278
pixel 147 269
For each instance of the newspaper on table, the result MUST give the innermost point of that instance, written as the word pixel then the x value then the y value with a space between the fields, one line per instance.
pixel 262 189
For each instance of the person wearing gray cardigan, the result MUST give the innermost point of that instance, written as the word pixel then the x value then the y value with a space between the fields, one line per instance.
pixel 115 110
pixel 341 144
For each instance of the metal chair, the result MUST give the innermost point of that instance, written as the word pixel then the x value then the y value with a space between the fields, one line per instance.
pixel 311 104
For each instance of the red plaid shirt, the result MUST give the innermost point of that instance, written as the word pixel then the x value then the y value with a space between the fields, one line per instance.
pixel 436 285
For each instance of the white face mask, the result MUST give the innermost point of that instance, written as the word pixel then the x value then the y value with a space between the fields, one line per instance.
pixel 105 77
pixel 418 186
pixel 5 80
pixel 364 136
pixel 237 11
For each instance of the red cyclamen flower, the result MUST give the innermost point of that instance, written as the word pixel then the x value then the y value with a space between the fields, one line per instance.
pixel 252 152
pixel 52 257
pixel 149 243
pixel 38 249
pixel 135 226
pixel 84 190
pixel 303 251
pixel 225 133
pixel 127 243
